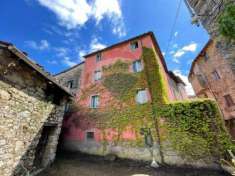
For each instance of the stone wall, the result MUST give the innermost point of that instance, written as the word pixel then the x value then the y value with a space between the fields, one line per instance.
pixel 24 110
pixel 72 74
pixel 215 89
pixel 208 12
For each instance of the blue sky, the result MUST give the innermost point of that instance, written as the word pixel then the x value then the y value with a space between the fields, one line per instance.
pixel 56 33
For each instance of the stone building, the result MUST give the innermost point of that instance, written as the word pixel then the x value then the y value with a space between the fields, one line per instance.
pixel 31 113
pixel 212 77
pixel 70 78
pixel 207 12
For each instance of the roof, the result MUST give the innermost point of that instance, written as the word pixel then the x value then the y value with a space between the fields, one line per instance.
pixel 198 56
pixel 33 65
pixel 157 48
pixel 176 78
pixel 64 71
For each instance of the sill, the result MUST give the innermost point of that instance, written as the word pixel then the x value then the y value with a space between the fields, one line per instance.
pixel 94 108
pixel 141 103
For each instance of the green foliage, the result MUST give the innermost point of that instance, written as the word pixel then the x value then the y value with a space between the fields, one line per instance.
pixel 117 67
pixel 120 83
pixel 156 82
pixel 195 129
pixel 227 21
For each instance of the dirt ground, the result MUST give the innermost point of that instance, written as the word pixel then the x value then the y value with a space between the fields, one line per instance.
pixel 80 165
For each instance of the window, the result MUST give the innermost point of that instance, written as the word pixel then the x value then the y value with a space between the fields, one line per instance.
pixel 67 107
pixel 137 66
pixel 141 97
pixel 70 84
pixel 90 135
pixel 134 45
pixel 95 101
pixel 98 57
pixel 215 75
pixel 97 75
pixel 206 57
pixel 228 100
pixel 201 80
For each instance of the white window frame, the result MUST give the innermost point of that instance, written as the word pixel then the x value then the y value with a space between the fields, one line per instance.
pixel 142 98
pixel 91 102
pixel 99 76
pixel 137 66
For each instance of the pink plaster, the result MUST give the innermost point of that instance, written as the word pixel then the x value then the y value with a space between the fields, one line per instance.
pixel 110 56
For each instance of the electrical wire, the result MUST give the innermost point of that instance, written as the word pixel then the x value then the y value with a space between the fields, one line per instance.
pixel 174 24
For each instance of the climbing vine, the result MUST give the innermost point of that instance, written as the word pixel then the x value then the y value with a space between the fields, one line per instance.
pixel 156 82
pixel 195 129
pixel 226 21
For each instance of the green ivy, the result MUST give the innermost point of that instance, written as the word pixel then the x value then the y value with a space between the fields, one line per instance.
pixel 120 83
pixel 226 21
pixel 195 129
pixel 156 82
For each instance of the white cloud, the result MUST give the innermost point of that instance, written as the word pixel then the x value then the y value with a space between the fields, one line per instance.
pixel 176 60
pixel 95 45
pixel 187 48
pixel 71 13
pixel 52 62
pixel 42 45
pixel 163 53
pixel 176 34
pixel 67 61
pixel 75 13
pixel 188 87
pixel 82 53
pixel 191 47
pixel 61 51
pixel 179 53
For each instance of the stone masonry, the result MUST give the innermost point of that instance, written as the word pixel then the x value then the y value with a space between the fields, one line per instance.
pixel 212 77
pixel 208 11
pixel 70 78
pixel 31 113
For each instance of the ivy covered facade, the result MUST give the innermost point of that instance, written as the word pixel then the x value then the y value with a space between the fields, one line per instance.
pixel 124 105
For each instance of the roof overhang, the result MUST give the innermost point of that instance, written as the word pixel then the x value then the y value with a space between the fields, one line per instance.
pixel 34 66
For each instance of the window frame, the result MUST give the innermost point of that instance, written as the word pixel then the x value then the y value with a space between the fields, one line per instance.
pixel 229 100
pixel 215 75
pixel 134 68
pixel 92 103
pixel 98 57
pixel 70 84
pixel 146 99
pixel 134 43
pixel 206 57
pixel 201 80
pixel 89 138
pixel 95 72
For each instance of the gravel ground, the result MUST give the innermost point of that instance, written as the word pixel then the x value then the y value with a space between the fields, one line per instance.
pixel 83 165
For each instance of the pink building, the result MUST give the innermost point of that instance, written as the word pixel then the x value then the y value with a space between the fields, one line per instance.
pixel 82 133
